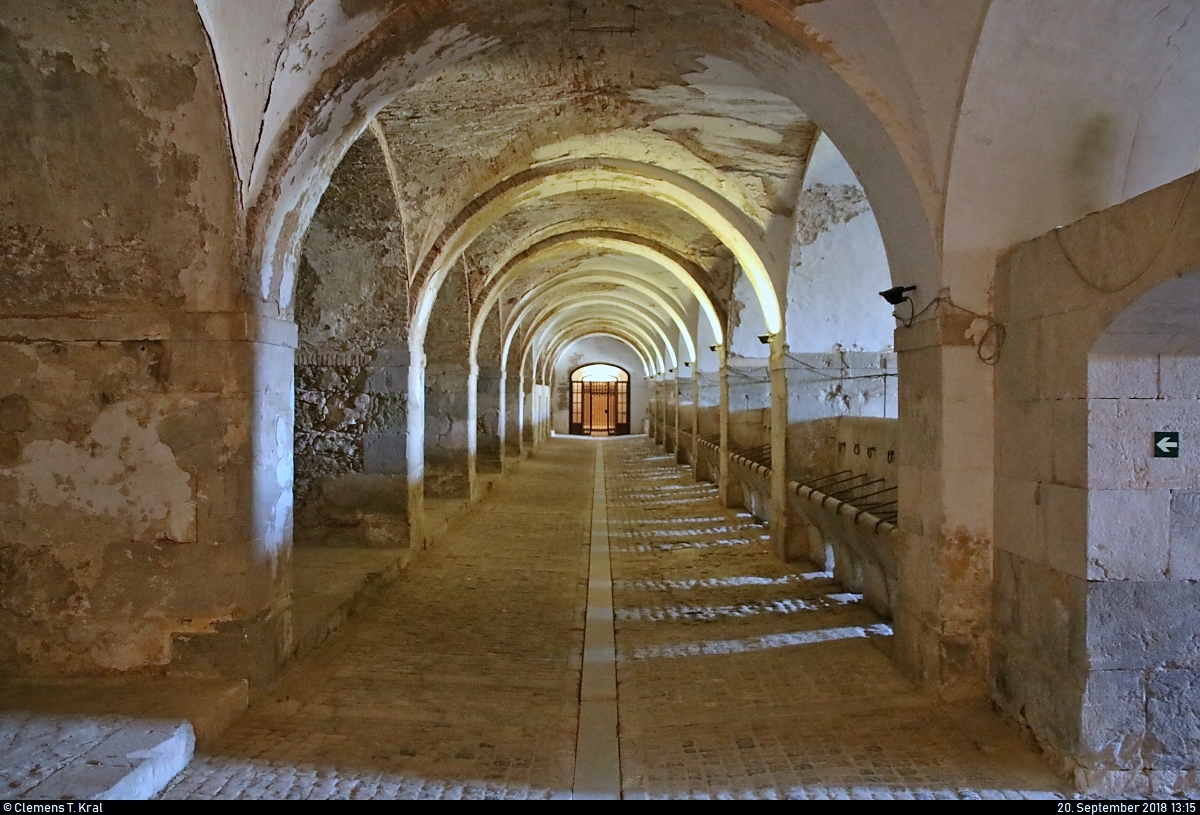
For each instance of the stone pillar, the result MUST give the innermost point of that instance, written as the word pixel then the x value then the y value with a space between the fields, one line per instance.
pixel 660 410
pixel 945 480
pixel 682 394
pixel 671 434
pixel 528 442
pixel 512 416
pixel 146 493
pixel 778 519
pixel 695 419
pixel 449 392
pixel 708 418
pixel 728 495
pixel 489 421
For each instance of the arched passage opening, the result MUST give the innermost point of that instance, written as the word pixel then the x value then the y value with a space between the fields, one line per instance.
pixel 599 400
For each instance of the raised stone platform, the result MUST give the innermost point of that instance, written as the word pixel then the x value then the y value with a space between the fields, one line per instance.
pixel 54 756
pixel 331 583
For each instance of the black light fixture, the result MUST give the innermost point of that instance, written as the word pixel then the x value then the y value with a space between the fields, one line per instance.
pixel 687 364
pixel 713 347
pixel 764 338
pixel 897 294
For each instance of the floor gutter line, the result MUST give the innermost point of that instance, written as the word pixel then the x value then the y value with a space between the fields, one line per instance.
pixel 597 748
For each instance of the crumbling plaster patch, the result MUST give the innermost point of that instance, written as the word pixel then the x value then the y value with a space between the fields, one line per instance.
pixel 121 469
pixel 129 133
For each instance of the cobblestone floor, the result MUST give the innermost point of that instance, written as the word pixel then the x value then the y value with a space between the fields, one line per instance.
pixel 740 676
pixel 460 681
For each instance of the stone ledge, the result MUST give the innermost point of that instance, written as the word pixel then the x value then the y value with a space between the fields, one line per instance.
pixel 52 756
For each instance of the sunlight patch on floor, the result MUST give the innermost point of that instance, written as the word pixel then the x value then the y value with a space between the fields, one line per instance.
pixel 768 642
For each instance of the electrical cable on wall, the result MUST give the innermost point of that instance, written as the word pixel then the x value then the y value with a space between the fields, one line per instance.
pixel 1187 193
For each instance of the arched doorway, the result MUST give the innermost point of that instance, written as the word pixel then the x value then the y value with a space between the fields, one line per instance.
pixel 599 400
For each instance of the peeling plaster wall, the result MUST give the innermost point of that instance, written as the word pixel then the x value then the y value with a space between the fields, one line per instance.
pixel 351 371
pixel 145 489
pixel 838 263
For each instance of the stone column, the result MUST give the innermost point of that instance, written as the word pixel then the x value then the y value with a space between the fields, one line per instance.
pixel 672 432
pixel 695 419
pixel 449 459
pixel 660 410
pixel 945 480
pixel 489 452
pixel 778 519
pixel 729 498
pixel 512 416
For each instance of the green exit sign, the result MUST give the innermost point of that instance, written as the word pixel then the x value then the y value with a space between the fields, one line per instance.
pixel 1166 444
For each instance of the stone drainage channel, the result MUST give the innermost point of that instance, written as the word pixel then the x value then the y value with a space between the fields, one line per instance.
pixel 597 749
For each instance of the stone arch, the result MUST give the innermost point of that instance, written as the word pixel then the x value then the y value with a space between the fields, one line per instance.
pixel 1091 560
pixel 543 328
pixel 365 74
pixel 730 224
pixel 512 267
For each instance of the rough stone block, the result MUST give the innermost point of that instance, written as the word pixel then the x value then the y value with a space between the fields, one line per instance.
pixel 1113 720
pixel 1021 431
pixel 1064 523
pixel 1143 624
pixel 1118 376
pixel 1172 711
pixel 1067 436
pixel 1185 536
pixel 1018 518
pixel 1128 534
pixel 1051 614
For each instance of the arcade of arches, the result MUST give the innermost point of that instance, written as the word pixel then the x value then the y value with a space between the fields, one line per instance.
pixel 302 279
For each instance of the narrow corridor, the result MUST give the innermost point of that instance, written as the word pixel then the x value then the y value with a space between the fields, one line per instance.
pixel 738 675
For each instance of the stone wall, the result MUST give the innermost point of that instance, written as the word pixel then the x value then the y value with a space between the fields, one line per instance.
pixel 1095 582
pixel 351 369
pixel 131 513
pixel 448 466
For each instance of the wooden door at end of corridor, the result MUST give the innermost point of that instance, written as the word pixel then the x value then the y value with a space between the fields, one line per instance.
pixel 600 408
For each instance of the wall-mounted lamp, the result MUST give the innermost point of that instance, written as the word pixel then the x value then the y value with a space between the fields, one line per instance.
pixel 897 295
pixel 671 371
pixel 687 364
pixel 764 338
pixel 713 347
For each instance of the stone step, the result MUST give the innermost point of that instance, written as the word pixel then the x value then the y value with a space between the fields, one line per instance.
pixel 209 705
pixel 64 756
pixel 329 584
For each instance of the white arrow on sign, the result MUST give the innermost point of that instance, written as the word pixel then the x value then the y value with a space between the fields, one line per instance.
pixel 1166 445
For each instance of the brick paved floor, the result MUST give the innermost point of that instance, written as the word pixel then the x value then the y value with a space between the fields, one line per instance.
pixel 738 676
pixel 460 681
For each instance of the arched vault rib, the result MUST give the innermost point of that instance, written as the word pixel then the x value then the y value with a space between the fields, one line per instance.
pixel 539 339
pixel 596 328
pixel 541 333
pixel 678 267
pixel 739 233
pixel 582 277
pixel 604 304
